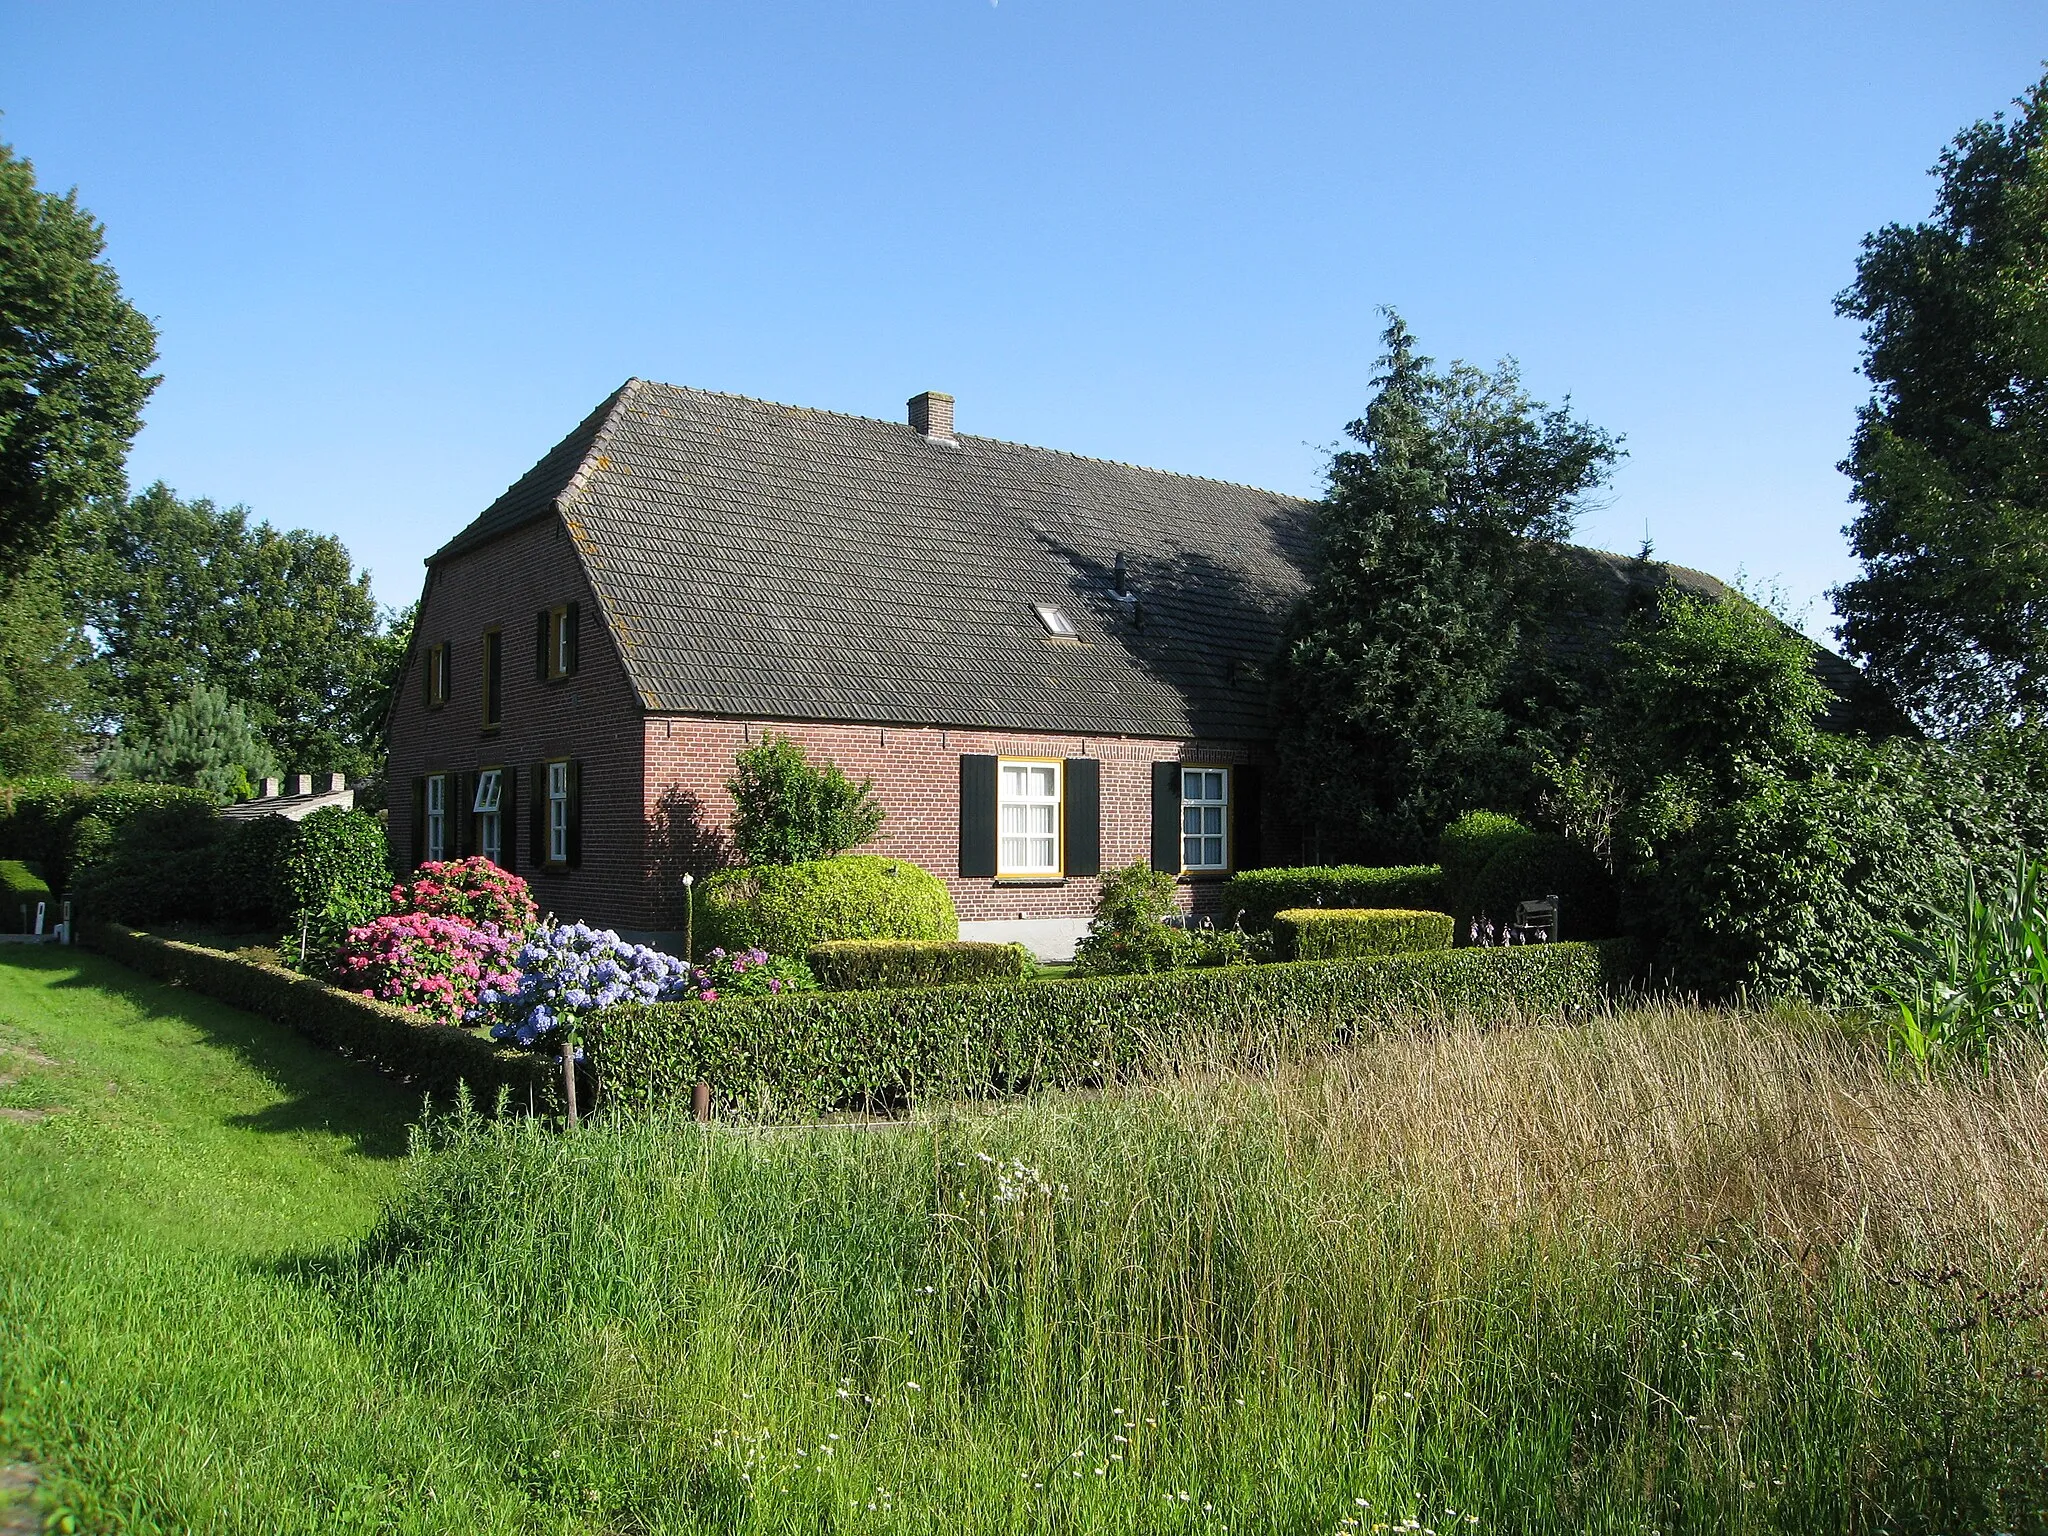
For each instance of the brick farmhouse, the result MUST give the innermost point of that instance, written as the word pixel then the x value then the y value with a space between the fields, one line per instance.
pixel 1049 665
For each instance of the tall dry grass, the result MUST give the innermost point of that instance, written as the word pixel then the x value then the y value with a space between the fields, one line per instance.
pixel 1668 1269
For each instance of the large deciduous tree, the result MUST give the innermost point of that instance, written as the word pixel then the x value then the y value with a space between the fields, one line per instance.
pixel 74 365
pixel 1950 458
pixel 1435 544
pixel 183 592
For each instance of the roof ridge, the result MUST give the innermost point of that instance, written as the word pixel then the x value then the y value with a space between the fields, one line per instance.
pixel 1000 442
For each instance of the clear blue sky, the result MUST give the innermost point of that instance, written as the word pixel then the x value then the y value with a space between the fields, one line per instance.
pixel 396 251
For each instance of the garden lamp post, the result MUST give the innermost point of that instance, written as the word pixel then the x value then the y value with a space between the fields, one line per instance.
pixel 689 912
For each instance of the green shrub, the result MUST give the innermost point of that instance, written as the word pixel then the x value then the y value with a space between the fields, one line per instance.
pixel 857 964
pixel 788 810
pixel 338 877
pixel 1335 933
pixel 800 1056
pixel 249 870
pixel 1467 847
pixel 431 1057
pixel 1492 863
pixel 1260 893
pixel 39 817
pixel 792 909
pixel 154 863
pixel 20 889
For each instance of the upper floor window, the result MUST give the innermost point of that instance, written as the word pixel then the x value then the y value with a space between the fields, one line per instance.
pixel 558 642
pixel 494 679
pixel 1027 817
pixel 1205 818
pixel 437 675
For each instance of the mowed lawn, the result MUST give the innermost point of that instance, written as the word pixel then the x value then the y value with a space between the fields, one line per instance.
pixel 174 1176
pixel 1666 1270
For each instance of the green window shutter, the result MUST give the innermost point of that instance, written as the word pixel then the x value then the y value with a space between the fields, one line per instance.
pixel 540 650
pixel 1247 850
pixel 977 817
pixel 1166 817
pixel 494 677
pixel 575 813
pixel 460 798
pixel 537 824
pixel 1082 812
pixel 419 822
pixel 508 817
pixel 447 671
pixel 569 622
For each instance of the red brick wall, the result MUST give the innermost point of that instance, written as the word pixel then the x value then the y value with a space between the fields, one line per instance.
pixel 593 717
pixel 917 779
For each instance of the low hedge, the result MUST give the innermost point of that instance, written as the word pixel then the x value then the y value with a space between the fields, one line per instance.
pixel 864 964
pixel 22 887
pixel 789 909
pixel 1340 933
pixel 433 1057
pixel 800 1055
pixel 1262 894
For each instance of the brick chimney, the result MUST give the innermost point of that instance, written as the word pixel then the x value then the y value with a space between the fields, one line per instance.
pixel 266 789
pixel 302 784
pixel 931 413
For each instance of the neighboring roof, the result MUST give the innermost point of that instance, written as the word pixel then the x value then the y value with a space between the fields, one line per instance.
pixel 291 806
pixel 764 560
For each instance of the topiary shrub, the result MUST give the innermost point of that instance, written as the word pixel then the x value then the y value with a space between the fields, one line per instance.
pixel 250 870
pixel 20 889
pixel 791 909
pixel 1334 933
pixel 789 810
pixel 1261 893
pixel 338 877
pixel 847 965
pixel 1492 863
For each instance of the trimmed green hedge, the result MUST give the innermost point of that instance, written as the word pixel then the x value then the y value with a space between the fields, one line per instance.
pixel 1262 894
pixel 21 886
pixel 797 1056
pixel 1493 862
pixel 38 816
pixel 864 964
pixel 790 909
pixel 435 1057
pixel 1338 933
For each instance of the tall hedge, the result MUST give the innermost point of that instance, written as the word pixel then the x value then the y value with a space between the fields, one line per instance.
pixel 790 909
pixel 1260 893
pixel 802 1054
pixel 39 817
pixel 1492 863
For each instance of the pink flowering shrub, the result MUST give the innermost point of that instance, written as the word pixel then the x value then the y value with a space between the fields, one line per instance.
pixel 434 966
pixel 474 891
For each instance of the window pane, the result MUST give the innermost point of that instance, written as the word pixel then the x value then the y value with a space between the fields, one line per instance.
pixel 1191 819
pixel 1212 820
pixel 1041 819
pixel 1042 782
pixel 1191 852
pixel 1014 856
pixel 1212 852
pixel 1042 855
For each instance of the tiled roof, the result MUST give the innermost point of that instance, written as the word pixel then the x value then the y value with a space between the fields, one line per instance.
pixel 762 560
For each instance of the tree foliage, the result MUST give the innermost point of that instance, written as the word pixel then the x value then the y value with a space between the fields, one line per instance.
pixel 1436 545
pixel 203 740
pixel 789 810
pixel 183 592
pixel 74 364
pixel 1950 457
pixel 45 697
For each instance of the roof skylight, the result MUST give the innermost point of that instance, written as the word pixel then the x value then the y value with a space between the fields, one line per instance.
pixel 1056 621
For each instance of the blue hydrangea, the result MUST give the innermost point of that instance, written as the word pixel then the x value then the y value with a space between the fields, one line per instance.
pixel 569 970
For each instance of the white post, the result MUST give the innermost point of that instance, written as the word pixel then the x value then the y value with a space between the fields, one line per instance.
pixel 42 909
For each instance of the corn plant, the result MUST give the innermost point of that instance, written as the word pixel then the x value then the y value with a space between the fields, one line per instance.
pixel 1975 980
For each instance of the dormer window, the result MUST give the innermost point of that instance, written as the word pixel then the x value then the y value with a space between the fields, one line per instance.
pixel 1056 621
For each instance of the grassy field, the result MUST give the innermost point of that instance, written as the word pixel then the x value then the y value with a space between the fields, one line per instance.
pixel 1668 1271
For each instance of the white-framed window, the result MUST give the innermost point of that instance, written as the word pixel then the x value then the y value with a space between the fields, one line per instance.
pixel 437 817
pixel 490 820
pixel 1027 817
pixel 1205 818
pixel 558 813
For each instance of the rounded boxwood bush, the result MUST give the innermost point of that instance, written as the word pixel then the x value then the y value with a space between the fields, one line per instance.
pixel 790 909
